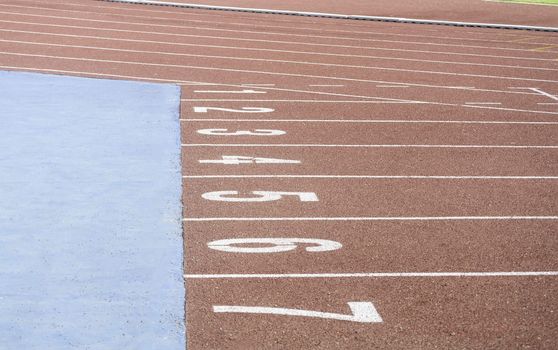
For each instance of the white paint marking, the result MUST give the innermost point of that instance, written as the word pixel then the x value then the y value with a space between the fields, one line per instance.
pixel 237 160
pixel 325 85
pixel 392 86
pixel 483 103
pixel 247 49
pixel 372 121
pixel 379 68
pixel 418 177
pixel 260 196
pixel 360 39
pixel 277 245
pixel 296 101
pixel 365 146
pixel 377 275
pixel 37 69
pixel 256 85
pixel 460 54
pixel 242 110
pixel 337 30
pixel 548 103
pixel 229 92
pixel 362 312
pixel 255 132
pixel 509 109
pixel 555 98
pixel 377 218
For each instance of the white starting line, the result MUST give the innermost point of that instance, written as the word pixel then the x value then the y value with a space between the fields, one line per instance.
pixel 375 218
pixel 386 121
pixel 420 177
pixel 372 275
pixel 365 146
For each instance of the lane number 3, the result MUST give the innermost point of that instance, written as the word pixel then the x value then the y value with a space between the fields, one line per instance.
pixel 256 132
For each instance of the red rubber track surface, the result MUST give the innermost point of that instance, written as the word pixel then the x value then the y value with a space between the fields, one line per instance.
pixel 427 157
pixel 478 11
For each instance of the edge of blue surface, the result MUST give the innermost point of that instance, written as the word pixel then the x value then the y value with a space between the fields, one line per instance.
pixel 91 247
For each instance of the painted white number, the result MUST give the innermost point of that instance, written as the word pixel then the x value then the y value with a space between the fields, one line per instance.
pixel 243 110
pixel 277 245
pixel 236 160
pixel 261 196
pixel 361 311
pixel 230 92
pixel 255 132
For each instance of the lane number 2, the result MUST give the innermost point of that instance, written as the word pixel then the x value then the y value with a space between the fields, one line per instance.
pixel 260 196
pixel 361 311
pixel 275 245
pixel 243 110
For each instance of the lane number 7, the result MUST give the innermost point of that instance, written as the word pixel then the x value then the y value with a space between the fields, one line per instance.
pixel 361 312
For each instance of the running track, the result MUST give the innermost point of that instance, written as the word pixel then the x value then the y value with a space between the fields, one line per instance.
pixel 408 170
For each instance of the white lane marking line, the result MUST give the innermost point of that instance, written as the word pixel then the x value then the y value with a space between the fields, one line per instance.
pixel 259 40
pixel 267 33
pixel 392 86
pixel 256 85
pixel 483 103
pixel 509 109
pixel 325 85
pixel 548 103
pixel 290 62
pixel 521 2
pixel 286 101
pixel 372 121
pixel 309 20
pixel 275 89
pixel 544 93
pixel 282 27
pixel 268 50
pixel 375 218
pixel 388 177
pixel 364 146
pixel 113 7
pixel 228 92
pixel 201 68
pixel 375 275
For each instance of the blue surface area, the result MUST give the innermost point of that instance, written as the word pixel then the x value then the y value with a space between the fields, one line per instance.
pixel 90 230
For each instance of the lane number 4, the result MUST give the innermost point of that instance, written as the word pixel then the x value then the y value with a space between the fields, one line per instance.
pixel 256 132
pixel 237 160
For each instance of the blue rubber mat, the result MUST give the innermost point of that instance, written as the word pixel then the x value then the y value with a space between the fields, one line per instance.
pixel 90 230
